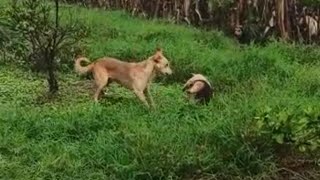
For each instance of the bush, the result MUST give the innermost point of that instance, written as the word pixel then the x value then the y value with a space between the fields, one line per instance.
pixel 38 33
pixel 42 37
pixel 296 127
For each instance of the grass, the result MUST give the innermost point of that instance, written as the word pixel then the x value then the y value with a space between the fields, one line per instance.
pixel 70 137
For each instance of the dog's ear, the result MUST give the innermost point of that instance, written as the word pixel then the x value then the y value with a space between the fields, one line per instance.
pixel 156 58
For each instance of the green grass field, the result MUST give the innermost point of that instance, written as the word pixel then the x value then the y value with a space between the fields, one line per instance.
pixel 70 137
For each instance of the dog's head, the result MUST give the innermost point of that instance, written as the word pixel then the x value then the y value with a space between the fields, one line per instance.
pixel 161 62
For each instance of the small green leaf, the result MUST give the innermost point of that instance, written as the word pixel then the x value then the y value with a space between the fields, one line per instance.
pixel 279 138
pixel 302 148
pixel 259 124
pixel 283 116
pixel 302 122
pixel 268 109
pixel 308 111
pixel 314 146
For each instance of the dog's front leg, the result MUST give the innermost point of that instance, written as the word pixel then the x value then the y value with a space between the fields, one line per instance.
pixel 149 96
pixel 142 97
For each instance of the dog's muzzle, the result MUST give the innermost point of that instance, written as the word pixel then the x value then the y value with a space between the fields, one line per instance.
pixel 169 72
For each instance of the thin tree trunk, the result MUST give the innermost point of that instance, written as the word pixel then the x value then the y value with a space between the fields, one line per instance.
pixel 53 83
pixel 52 80
pixel 186 8
pixel 177 10
pixel 280 6
pixel 198 10
pixel 287 18
pixel 156 9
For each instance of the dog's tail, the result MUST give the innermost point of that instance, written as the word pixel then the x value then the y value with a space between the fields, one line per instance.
pixel 82 69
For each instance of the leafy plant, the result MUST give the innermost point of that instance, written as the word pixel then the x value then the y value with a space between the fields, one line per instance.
pixel 10 44
pixel 42 35
pixel 299 128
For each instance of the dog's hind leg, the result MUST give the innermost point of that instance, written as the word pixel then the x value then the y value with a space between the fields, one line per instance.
pixel 101 79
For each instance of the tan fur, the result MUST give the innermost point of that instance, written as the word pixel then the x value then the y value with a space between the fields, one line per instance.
pixel 134 76
pixel 196 77
pixel 83 69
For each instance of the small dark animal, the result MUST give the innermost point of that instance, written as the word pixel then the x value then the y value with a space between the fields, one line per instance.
pixel 199 88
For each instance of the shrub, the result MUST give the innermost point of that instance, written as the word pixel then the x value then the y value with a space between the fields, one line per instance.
pixel 298 128
pixel 43 39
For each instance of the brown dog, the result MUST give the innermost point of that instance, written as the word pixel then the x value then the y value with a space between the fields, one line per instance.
pixel 134 76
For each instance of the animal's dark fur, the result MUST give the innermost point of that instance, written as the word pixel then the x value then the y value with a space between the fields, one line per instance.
pixel 205 94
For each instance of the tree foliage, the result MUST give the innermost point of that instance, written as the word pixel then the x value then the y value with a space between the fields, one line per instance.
pixel 41 35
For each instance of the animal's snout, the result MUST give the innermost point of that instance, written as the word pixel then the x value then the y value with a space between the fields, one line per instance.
pixel 169 71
